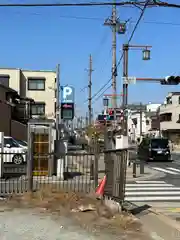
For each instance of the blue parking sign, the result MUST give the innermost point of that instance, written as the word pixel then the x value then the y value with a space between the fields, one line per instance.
pixel 67 94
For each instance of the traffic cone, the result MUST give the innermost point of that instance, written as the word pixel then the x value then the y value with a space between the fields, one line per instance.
pixel 100 188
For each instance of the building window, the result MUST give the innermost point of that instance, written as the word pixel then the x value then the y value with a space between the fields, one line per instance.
pixel 179 100
pixel 36 84
pixel 169 100
pixel 38 108
pixel 166 117
pixel 4 80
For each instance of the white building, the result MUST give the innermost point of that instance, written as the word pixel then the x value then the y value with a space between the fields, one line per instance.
pixel 139 122
pixel 170 117
pixel 38 85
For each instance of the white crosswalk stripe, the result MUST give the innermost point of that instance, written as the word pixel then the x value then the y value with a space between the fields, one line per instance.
pixel 146 191
pixel 168 170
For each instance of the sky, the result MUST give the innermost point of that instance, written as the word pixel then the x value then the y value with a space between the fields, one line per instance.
pixel 40 38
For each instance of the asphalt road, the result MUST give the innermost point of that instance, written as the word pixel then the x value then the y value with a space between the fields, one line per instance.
pixel 163 193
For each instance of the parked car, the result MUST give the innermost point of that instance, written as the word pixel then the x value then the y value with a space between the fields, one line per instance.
pixel 22 143
pixel 154 149
pixel 12 152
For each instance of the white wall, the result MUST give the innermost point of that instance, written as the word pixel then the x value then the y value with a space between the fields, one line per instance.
pixel 134 131
pixel 173 108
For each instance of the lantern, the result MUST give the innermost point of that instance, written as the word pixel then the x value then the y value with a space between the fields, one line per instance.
pixel 146 54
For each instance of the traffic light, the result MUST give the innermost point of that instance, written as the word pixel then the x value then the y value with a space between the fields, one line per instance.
pixel 171 80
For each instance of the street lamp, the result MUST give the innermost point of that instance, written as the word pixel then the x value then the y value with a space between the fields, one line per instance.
pixel 146 54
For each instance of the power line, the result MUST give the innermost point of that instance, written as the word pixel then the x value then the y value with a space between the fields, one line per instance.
pixel 138 21
pixel 101 94
pixel 119 62
pixel 82 4
pixel 101 19
pixel 89 4
pixel 104 84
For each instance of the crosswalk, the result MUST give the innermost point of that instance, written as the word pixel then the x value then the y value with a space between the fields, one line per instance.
pixel 167 170
pixel 147 191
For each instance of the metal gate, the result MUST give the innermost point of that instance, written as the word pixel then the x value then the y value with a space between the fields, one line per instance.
pixel 40 147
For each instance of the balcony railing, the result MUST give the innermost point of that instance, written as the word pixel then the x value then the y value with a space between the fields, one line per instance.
pixel 21 112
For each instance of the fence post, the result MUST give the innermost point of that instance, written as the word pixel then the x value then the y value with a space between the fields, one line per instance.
pixel 141 167
pixel 2 155
pixel 96 168
pixel 134 169
pixel 123 166
pixel 30 160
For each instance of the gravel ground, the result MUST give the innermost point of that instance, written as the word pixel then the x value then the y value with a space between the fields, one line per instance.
pixel 27 225
pixel 52 214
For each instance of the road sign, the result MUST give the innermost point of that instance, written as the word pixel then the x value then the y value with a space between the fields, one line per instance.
pixel 67 94
pixel 67 111
pixel 129 80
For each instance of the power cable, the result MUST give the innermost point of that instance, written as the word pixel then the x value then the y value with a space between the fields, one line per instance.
pixel 82 4
pixel 101 43
pixel 132 34
pixel 101 94
pixel 101 19
pixel 103 85
pixel 89 4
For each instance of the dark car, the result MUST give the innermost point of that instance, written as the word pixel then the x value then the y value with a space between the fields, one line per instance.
pixel 154 149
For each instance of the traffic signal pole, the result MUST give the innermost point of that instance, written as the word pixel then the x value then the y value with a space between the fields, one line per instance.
pixel 125 86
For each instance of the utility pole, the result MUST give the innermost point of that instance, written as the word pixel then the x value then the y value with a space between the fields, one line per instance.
pixel 125 87
pixel 90 70
pixel 58 106
pixel 114 70
pixel 112 22
pixel 141 111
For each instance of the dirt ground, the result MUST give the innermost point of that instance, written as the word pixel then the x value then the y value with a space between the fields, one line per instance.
pixel 86 211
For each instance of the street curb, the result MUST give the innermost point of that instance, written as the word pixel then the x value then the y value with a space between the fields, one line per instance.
pixel 165 219
pixel 172 223
pixel 168 221
pixel 156 175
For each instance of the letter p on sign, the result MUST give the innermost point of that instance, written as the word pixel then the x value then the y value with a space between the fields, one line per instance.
pixel 68 94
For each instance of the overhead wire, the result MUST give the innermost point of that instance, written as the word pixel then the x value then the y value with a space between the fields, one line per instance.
pixel 119 62
pixel 98 19
pixel 101 94
pixel 89 4
pixel 96 53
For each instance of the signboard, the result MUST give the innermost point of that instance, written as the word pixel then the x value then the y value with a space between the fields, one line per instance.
pixel 67 94
pixel 67 111
pixel 129 80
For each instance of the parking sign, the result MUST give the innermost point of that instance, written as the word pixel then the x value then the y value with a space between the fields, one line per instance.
pixel 67 94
